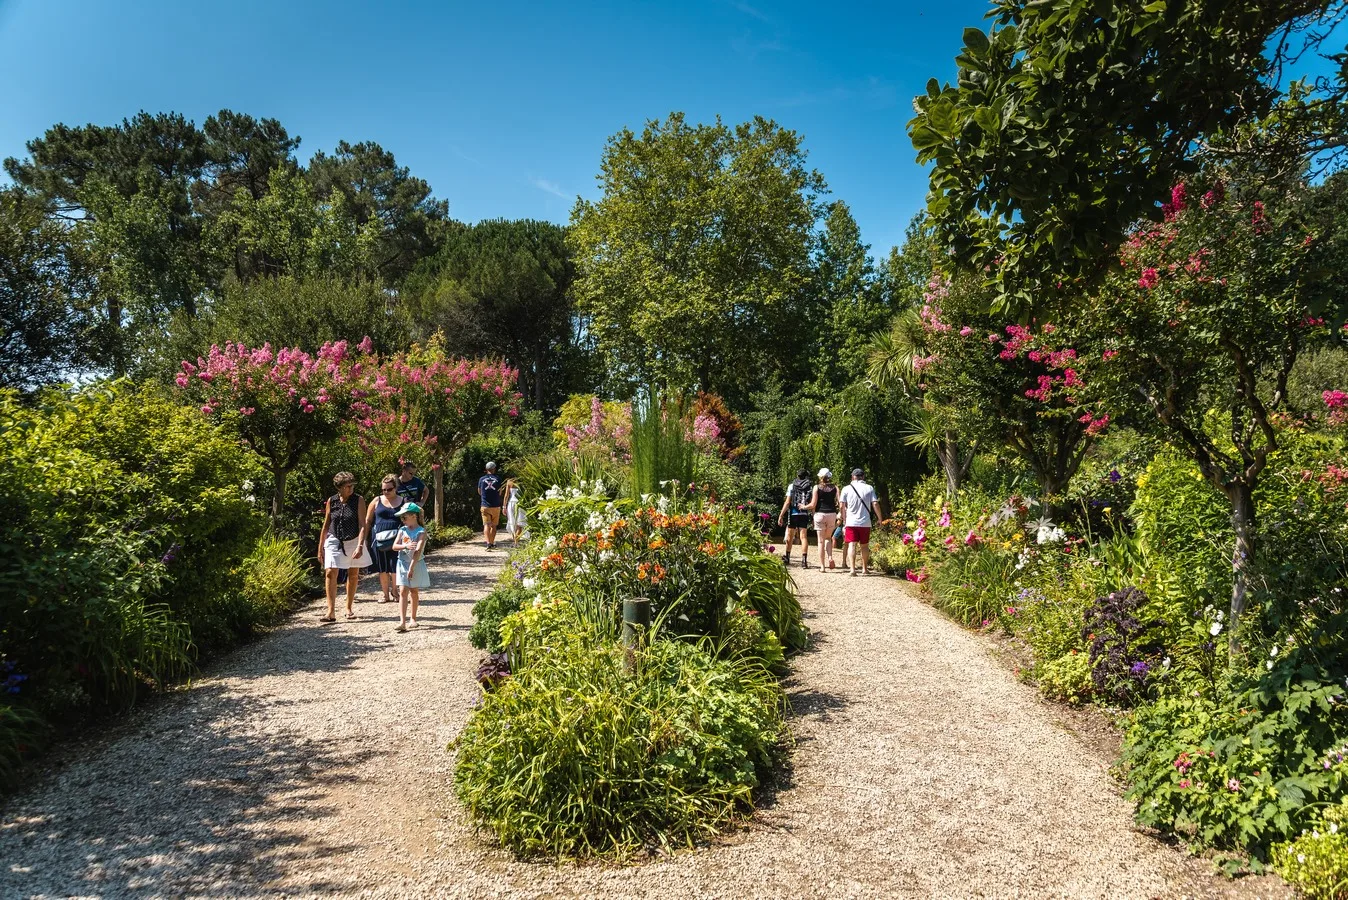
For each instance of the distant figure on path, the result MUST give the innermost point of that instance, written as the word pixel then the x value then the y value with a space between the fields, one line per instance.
pixel 341 543
pixel 489 492
pixel 382 519
pixel 796 507
pixel 412 572
pixel 824 505
pixel 411 488
pixel 859 500
pixel 514 512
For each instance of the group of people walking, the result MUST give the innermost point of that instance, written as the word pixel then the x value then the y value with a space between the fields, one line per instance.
pixel 388 535
pixel 845 515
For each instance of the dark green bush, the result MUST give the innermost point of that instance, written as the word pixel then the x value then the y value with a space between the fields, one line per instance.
pixel 488 613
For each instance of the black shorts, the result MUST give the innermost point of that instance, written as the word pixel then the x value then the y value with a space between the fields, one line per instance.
pixel 799 520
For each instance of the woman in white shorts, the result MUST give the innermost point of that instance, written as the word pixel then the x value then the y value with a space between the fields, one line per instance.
pixel 824 505
pixel 341 544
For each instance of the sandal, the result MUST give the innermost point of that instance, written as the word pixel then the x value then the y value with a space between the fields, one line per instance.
pixel 350 616
pixel 401 629
pixel 327 620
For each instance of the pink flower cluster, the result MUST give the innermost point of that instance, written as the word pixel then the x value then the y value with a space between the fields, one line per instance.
pixel 1337 402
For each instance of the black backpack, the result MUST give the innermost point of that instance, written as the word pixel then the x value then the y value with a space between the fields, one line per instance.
pixel 800 493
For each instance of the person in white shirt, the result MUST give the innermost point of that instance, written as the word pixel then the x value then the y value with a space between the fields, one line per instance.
pixel 858 500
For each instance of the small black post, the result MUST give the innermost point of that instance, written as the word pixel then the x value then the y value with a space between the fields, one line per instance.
pixel 636 624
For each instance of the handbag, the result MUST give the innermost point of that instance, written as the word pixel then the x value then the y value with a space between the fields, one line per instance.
pixel 383 540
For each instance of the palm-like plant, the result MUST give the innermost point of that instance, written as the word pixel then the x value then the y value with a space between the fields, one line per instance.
pixel 891 367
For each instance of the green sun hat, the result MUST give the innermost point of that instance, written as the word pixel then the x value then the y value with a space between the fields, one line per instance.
pixel 410 509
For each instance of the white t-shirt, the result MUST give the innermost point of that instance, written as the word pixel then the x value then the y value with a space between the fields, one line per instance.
pixel 857 499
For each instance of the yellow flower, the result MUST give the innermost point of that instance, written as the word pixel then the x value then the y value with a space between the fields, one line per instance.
pixel 1108 510
pixel 1019 535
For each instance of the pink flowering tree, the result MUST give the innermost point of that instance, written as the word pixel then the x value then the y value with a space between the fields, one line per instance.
pixel 1203 323
pixel 442 403
pixel 281 403
pixel 983 382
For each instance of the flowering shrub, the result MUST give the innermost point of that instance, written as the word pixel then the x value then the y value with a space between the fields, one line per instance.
pixel 1316 861
pixel 280 402
pixel 1123 647
pixel 587 425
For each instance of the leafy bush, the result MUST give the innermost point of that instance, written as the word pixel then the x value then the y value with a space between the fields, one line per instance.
pixel 573 756
pixel 1239 771
pixel 972 585
pixel 1181 518
pixel 443 536
pixel 745 638
pixel 22 733
pixel 491 610
pixel 1067 678
pixel 1316 862
pixel 274 576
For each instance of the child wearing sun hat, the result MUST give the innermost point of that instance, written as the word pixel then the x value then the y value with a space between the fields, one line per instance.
pixel 412 574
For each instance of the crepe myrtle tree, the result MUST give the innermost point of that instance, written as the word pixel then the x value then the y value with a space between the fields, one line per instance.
pixel 280 402
pixel 1203 322
pixel 448 401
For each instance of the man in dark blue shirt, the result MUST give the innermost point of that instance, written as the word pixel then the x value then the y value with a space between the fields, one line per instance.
pixel 489 490
pixel 412 489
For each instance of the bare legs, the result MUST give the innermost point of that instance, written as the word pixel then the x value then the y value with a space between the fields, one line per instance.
pixel 406 595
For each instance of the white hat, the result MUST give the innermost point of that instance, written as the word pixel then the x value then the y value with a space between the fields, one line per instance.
pixel 825 473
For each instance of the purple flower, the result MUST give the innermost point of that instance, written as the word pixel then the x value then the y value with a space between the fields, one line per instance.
pixel 171 553
pixel 1139 669
pixel 1114 476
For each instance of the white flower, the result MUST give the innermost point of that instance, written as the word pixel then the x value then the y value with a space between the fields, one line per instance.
pixel 606 555
pixel 1216 628
pixel 1165 663
pixel 529 583
pixel 662 504
pixel 1269 664
pixel 1333 827
pixel 1273 651
pixel 1301 857
pixel 538 601
pixel 550 544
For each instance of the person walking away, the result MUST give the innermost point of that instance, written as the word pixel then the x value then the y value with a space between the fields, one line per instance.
pixel 341 543
pixel 796 515
pixel 382 523
pixel 412 572
pixel 514 512
pixel 824 505
pixel 858 502
pixel 411 488
pixel 489 491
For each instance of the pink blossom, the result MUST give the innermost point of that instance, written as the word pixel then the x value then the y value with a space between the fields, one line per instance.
pixel 966 331
pixel 1150 278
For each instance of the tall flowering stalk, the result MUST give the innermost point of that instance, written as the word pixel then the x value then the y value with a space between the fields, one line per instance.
pixel 281 402
pixel 447 401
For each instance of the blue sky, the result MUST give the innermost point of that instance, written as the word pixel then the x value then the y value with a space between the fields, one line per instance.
pixel 503 108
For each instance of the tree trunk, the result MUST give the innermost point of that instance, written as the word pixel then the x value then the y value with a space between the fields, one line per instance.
pixel 438 477
pixel 278 496
pixel 948 452
pixel 1242 558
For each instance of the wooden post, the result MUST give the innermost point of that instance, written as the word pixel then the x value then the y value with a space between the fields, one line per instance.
pixel 636 625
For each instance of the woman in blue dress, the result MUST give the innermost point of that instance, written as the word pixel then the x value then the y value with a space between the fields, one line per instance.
pixel 383 521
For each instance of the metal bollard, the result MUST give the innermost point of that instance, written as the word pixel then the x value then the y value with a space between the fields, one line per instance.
pixel 636 624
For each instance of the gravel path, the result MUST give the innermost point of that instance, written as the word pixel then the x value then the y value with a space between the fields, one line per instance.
pixel 313 763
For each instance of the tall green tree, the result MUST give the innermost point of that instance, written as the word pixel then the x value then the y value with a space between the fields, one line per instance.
pixel 694 263
pixel 46 329
pixel 1070 121
pixel 502 288
pixel 852 303
pixel 383 196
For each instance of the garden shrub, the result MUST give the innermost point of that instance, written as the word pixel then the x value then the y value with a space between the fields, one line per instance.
pixel 1238 770
pixel 972 585
pixel 274 576
pixel 745 638
pixel 1180 517
pixel 488 613
pixel 574 756
pixel 444 535
pixel 1067 678
pixel 1123 650
pixel 1316 861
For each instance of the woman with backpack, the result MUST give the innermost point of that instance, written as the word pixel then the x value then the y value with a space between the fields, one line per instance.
pixel 383 520
pixel 824 505
pixel 341 543
pixel 796 506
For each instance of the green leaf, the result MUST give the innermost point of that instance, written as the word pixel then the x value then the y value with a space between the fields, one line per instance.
pixel 977 41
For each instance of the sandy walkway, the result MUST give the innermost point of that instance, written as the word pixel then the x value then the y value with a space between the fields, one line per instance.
pixel 313 763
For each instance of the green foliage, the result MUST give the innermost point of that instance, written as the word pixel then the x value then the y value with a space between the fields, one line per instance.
pixel 444 535
pixel 744 639
pixel 506 598
pixel 22 734
pixel 972 586
pixel 692 264
pixel 662 449
pixel 1316 862
pixel 1180 517
pixel 127 552
pixel 543 471
pixel 1240 771
pixel 1067 678
pixel 1065 125
pixel 274 577
pixel 574 757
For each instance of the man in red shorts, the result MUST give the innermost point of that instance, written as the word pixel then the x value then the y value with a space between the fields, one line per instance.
pixel 859 502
